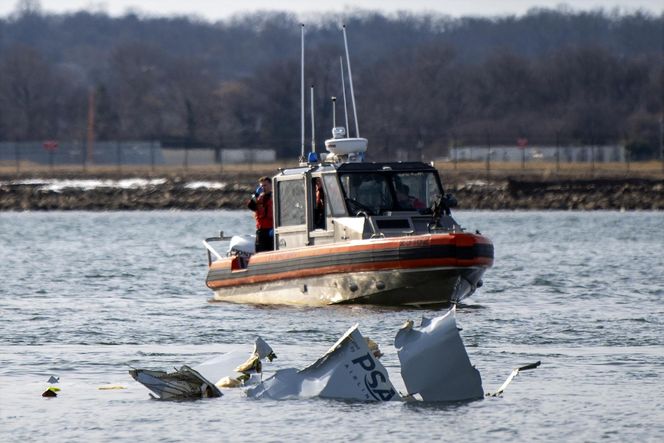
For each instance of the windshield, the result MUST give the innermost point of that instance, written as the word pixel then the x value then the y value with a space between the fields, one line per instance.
pixel 416 190
pixel 376 193
pixel 367 192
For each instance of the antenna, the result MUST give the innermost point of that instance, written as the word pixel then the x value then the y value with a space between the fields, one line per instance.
pixel 302 91
pixel 334 112
pixel 343 88
pixel 313 129
pixel 350 80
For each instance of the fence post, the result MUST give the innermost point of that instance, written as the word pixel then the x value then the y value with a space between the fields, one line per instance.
pixel 488 155
pixel 17 157
pixel 627 159
pixel 118 153
pixel 523 158
pixel 557 152
pixel 83 156
pixel 661 140
pixel 152 156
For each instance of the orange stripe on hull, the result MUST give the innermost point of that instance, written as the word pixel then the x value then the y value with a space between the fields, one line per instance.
pixel 426 240
pixel 311 272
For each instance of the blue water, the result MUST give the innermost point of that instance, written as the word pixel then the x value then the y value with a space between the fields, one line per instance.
pixel 84 296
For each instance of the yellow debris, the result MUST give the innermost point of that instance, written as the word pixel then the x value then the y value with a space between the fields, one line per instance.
pixel 228 382
pixel 253 363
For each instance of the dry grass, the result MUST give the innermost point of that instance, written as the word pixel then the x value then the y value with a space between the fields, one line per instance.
pixel 32 169
pixel 461 170
pixel 653 169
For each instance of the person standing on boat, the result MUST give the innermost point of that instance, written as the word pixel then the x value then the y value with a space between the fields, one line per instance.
pixel 319 204
pixel 261 204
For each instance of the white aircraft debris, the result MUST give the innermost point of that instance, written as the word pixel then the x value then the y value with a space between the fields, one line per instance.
pixel 434 362
pixel 350 370
pixel 434 366
pixel 228 370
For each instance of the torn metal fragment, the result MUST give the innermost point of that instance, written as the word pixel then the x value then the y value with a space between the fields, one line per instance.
pixel 434 362
pixel 348 370
pixel 183 384
pixel 513 374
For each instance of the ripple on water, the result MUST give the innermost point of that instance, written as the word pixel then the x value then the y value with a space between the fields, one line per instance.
pixel 117 294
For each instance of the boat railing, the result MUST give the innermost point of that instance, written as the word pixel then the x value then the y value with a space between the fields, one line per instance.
pixel 210 250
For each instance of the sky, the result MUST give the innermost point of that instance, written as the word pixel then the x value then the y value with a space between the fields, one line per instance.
pixel 221 9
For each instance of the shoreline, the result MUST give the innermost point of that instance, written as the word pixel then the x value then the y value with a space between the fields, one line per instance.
pixel 231 191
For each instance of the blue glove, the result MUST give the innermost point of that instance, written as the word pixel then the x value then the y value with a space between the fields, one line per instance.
pixel 258 191
pixel 271 232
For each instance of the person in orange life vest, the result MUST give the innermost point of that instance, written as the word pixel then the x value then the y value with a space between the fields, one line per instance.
pixel 261 204
pixel 319 204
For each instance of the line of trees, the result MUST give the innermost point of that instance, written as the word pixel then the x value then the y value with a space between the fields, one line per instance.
pixel 421 81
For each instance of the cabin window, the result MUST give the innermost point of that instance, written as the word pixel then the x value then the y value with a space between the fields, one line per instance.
pixel 416 190
pixel 367 192
pixel 291 203
pixel 335 201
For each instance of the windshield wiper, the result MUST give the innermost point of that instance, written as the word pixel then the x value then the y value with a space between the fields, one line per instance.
pixel 356 207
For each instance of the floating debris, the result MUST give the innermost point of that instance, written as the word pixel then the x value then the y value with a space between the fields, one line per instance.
pixel 514 373
pixel 434 366
pixel 183 384
pixel 51 391
pixel 348 371
pixel 111 387
pixel 228 370
pixel 434 361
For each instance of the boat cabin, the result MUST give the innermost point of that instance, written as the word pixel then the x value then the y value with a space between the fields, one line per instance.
pixel 327 203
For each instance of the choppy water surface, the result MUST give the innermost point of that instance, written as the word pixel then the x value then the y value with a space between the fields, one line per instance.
pixel 86 295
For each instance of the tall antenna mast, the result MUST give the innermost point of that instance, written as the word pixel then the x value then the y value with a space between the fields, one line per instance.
pixel 343 89
pixel 334 112
pixel 350 80
pixel 302 91
pixel 313 128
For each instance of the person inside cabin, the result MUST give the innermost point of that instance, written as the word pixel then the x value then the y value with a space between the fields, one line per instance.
pixel 261 204
pixel 319 204
pixel 407 201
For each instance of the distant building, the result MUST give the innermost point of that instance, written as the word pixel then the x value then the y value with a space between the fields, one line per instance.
pixel 75 152
pixel 568 154
pixel 127 153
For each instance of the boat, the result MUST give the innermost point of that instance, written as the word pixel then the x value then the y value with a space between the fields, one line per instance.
pixel 384 235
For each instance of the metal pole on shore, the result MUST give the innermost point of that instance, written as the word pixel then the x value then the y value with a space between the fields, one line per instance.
pixel 661 139
pixel 488 155
pixel 152 156
pixel 91 128
pixel 523 158
pixel 17 157
pixel 557 152
pixel 118 153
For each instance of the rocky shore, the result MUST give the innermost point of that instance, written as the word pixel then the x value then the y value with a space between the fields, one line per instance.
pixel 231 192
pixel 567 194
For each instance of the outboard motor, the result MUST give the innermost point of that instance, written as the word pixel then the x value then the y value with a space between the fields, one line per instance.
pixel 242 246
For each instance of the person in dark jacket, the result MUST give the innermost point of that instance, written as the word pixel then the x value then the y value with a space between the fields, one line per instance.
pixel 261 204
